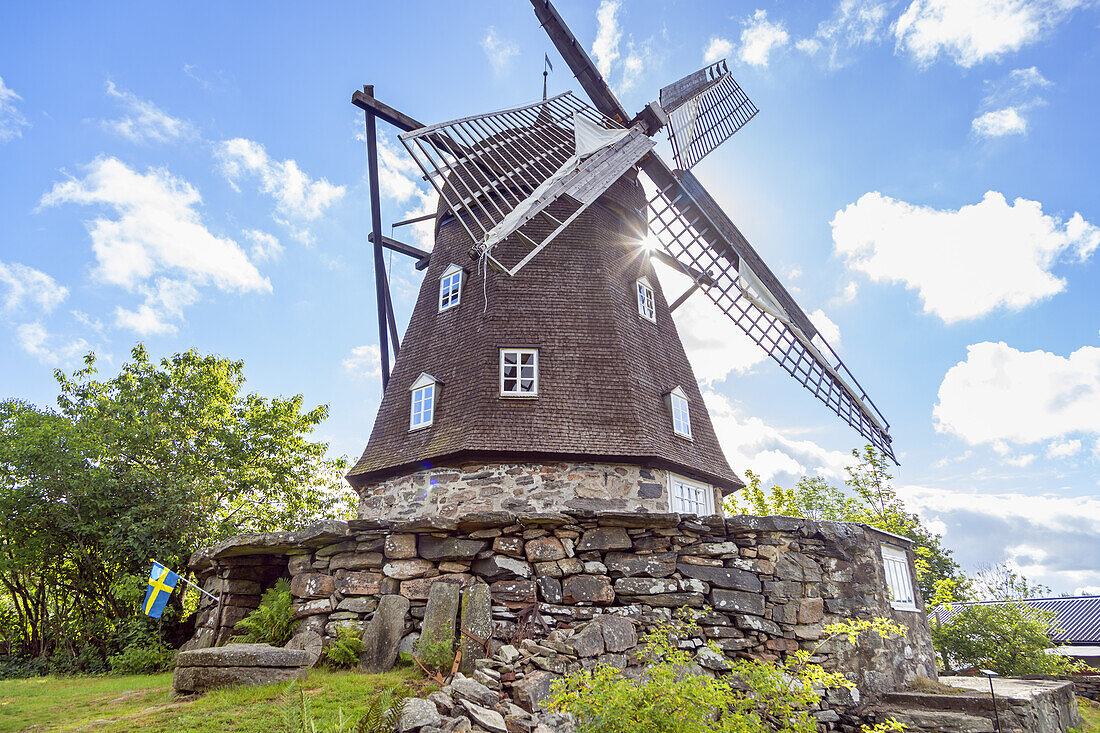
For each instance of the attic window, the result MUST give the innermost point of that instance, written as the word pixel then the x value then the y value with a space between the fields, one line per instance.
pixel 681 417
pixel 450 287
pixel 422 404
pixel 519 372
pixel 899 584
pixel 646 307
pixel 689 497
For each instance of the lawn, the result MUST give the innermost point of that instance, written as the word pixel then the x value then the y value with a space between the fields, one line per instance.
pixel 141 703
pixel 1090 711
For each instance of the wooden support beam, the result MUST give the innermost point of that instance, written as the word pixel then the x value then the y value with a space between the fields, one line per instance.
pixel 665 258
pixel 685 296
pixel 413 220
pixel 406 249
pixel 383 111
pixel 381 287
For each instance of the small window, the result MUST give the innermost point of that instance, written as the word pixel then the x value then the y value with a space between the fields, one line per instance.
pixel 450 287
pixel 646 307
pixel 519 372
pixel 899 584
pixel 689 497
pixel 681 418
pixel 422 409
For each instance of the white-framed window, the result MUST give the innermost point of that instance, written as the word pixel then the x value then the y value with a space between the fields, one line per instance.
pixel 899 584
pixel 681 416
pixel 519 372
pixel 450 287
pixel 422 403
pixel 689 497
pixel 646 304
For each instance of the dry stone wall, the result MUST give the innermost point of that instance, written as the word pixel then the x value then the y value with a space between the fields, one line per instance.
pixel 764 586
pixel 453 491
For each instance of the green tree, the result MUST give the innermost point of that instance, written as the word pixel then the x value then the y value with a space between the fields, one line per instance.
pixel 870 499
pixel 160 459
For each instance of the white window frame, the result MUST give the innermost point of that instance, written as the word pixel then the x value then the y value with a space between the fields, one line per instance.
pixel 680 408
pixel 899 582
pixel 647 301
pixel 450 287
pixel 520 353
pixel 424 390
pixel 689 497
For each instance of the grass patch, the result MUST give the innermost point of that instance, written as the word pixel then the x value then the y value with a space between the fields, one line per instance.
pixel 141 702
pixel 1090 712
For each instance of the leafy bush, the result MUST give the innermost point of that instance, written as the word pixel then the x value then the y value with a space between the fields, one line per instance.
pixel 755 697
pixel 1010 638
pixel 270 623
pixel 343 652
pixel 142 658
pixel 437 655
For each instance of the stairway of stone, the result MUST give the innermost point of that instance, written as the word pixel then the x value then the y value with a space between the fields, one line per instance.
pixel 922 712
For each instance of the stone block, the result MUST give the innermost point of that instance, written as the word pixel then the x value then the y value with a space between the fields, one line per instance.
pixel 618 633
pixel 544 549
pixel 588 642
pixel 737 601
pixel 658 565
pixel 440 615
pixel 550 589
pixel 755 623
pixel 358 604
pixel 400 546
pixel 532 691
pixel 476 620
pixel 419 713
pixel 196 680
pixel 243 655
pixel 514 592
pixel 587 588
pixel 498 567
pixel 407 569
pixel 312 585
pixel 358 583
pixel 511 546
pixel 674 600
pixel 383 634
pixel 419 588
pixel 450 548
pixel 796 566
pixel 355 561
pixel 605 538
pixel 811 610
pixel 645 586
pixel 311 608
pixel 299 564
pixel 730 578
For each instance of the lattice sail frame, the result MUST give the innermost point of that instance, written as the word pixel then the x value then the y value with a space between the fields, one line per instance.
pixel 715 109
pixel 813 363
pixel 486 166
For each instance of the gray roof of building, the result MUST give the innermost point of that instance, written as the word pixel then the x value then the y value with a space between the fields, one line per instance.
pixel 1076 618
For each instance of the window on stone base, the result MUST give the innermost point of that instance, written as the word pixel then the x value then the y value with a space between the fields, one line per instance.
pixel 689 497
pixel 899 584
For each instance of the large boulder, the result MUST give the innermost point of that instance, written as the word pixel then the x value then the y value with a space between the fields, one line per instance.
pixel 200 670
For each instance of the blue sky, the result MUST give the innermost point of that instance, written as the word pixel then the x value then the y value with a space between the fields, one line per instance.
pixel 922 175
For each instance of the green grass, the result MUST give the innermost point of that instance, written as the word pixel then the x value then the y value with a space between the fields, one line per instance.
pixel 141 702
pixel 1090 712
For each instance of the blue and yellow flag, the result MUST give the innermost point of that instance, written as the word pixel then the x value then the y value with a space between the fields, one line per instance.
pixel 162 582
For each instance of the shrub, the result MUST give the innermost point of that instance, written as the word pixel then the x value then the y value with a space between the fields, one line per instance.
pixel 270 623
pixel 343 652
pixel 437 655
pixel 756 696
pixel 142 658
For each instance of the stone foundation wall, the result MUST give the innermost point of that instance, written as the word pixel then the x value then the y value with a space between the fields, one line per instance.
pixel 453 491
pixel 1085 685
pixel 765 586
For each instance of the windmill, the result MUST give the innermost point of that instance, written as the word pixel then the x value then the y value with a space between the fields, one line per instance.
pixel 543 201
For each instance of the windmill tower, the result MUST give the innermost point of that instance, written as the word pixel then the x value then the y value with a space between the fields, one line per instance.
pixel 541 368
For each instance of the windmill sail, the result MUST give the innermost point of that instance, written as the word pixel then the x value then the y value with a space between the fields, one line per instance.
pixel 704 110
pixel 500 171
pixel 689 224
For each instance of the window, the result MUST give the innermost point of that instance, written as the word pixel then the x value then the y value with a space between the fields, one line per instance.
pixel 646 307
pixel 899 584
pixel 422 406
pixel 450 287
pixel 681 419
pixel 689 497
pixel 519 372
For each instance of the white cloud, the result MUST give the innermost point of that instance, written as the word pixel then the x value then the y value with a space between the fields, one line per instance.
pixel 639 57
pixel 999 123
pixel 1000 395
pixel 1022 461
pixel 397 172
pixel 750 443
pixel 144 122
pixel 499 50
pixel 972 31
pixel 606 46
pixel 760 37
pixel 28 285
pixel 967 262
pixel 49 348
pixel 1064 448
pixel 264 246
pixel 364 361
pixel 12 120
pixel 145 321
pixel 854 23
pixel 156 244
pixel 717 49
pixel 296 194
pixel 829 330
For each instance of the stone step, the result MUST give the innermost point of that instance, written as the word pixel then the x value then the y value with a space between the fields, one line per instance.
pixel 937 721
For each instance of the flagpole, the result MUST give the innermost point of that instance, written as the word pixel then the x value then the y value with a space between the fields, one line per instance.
pixel 211 596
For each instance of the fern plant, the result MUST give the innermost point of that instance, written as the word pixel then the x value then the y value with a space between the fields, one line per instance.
pixel 384 711
pixel 343 652
pixel 270 623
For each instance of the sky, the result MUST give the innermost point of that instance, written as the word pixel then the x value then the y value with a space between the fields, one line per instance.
pixel 922 175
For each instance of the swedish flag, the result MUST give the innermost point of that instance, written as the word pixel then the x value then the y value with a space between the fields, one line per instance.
pixel 162 582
